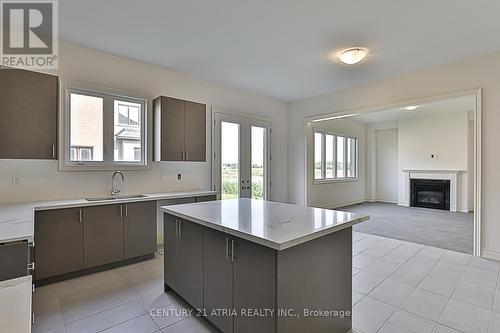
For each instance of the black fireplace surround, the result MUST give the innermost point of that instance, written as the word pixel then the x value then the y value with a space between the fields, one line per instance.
pixel 430 193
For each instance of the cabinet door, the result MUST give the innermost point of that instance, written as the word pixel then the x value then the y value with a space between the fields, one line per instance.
pixel 102 235
pixel 139 229
pixel 15 305
pixel 206 198
pixel 172 258
pixel 195 131
pixel 172 129
pixel 217 278
pixel 59 242
pixel 191 235
pixel 14 258
pixel 28 117
pixel 254 285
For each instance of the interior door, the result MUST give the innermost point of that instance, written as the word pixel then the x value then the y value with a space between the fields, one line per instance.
pixel 241 157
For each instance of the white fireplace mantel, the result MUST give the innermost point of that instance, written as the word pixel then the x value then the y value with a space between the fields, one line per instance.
pixel 450 175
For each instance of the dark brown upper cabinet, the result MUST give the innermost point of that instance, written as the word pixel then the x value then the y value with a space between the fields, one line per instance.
pixel 28 114
pixel 179 130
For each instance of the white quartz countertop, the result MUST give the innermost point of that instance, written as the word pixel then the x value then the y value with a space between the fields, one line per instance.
pixel 276 225
pixel 17 219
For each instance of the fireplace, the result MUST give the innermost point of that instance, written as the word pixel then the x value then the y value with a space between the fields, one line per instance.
pixel 430 193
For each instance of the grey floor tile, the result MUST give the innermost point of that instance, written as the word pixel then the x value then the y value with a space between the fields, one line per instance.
pixel 432 252
pixel 405 322
pixel 364 282
pixel 382 267
pixel 409 275
pixel 457 257
pixel 190 325
pixel 444 329
pixel 403 253
pixel 355 271
pixel 379 250
pixel 167 310
pixel 475 294
pixel 392 292
pixel 356 297
pixel 425 304
pixel 106 319
pixel 90 301
pixel 481 276
pixel 369 315
pixel 441 285
pixel 392 243
pixel 47 317
pixel 494 326
pixel 362 260
pixel 449 271
pixel 485 264
pixel 496 303
pixel 142 324
pixel 465 317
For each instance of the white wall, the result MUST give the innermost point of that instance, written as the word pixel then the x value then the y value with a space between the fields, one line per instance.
pixel 336 194
pixel 442 135
pixel 386 165
pixel 481 72
pixel 371 157
pixel 41 180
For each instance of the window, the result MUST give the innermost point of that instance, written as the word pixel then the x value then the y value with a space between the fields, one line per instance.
pixel 335 156
pixel 104 130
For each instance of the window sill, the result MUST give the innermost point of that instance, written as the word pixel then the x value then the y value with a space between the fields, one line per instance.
pixel 335 181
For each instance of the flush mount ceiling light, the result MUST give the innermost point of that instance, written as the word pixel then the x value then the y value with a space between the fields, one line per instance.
pixel 353 55
pixel 335 117
pixel 411 107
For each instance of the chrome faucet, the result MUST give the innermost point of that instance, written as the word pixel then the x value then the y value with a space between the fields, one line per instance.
pixel 114 190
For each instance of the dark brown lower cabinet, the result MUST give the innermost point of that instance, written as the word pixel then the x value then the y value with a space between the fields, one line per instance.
pixel 139 229
pixel 14 259
pixel 218 279
pixel 254 285
pixel 59 242
pixel 184 259
pixel 102 235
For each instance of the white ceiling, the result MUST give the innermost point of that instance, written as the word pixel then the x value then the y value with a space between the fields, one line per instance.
pixel 280 48
pixel 456 104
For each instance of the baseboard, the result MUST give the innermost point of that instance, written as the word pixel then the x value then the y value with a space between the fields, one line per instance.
pixel 346 204
pixel 386 201
pixel 490 254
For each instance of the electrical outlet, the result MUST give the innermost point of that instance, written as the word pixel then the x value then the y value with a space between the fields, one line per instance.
pixel 17 180
pixel 179 176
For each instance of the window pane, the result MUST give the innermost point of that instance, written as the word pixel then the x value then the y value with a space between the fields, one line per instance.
pixel 318 147
pixel 127 132
pixel 258 153
pixel 86 125
pixel 230 173
pixel 85 154
pixel 340 157
pixel 329 173
pixel 351 157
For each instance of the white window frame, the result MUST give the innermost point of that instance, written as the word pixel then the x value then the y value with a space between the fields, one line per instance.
pixel 335 179
pixel 108 163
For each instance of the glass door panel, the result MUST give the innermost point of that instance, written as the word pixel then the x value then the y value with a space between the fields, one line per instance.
pixel 230 160
pixel 258 183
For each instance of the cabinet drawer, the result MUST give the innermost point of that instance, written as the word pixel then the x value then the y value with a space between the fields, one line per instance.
pixel 15 259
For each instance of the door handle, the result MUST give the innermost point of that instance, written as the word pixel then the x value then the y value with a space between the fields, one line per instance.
pixel 176 228
pixel 227 248
pixel 53 151
pixel 187 154
pixel 180 228
pixel 121 210
pixel 126 210
pixel 232 250
pixel 80 216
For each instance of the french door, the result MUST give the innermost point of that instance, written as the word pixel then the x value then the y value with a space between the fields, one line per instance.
pixel 241 157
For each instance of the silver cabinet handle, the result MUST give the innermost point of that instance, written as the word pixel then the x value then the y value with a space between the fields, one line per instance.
pixel 126 210
pixel 176 228
pixel 183 155
pixel 187 154
pixel 80 218
pixel 121 210
pixel 31 268
pixel 53 151
pixel 232 249
pixel 227 248
pixel 180 228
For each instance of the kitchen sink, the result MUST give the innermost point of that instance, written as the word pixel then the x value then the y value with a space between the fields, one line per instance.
pixel 116 197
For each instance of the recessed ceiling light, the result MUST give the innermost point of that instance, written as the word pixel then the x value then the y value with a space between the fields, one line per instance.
pixel 411 107
pixel 353 55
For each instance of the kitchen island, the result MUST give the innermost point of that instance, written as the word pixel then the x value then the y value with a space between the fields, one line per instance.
pixel 259 266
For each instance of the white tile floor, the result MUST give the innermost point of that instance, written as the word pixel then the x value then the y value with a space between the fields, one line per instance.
pixel 397 287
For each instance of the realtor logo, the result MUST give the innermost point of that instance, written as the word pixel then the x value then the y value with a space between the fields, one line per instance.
pixel 29 34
